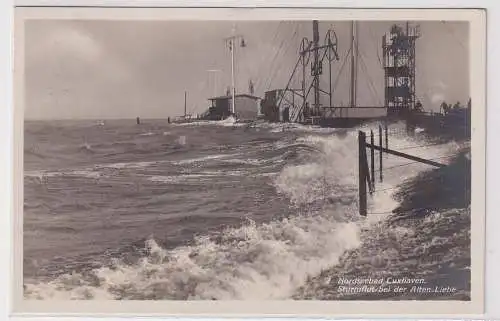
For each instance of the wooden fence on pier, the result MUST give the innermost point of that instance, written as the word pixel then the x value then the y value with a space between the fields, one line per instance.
pixel 366 173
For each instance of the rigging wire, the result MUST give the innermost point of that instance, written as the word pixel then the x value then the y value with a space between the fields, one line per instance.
pixel 286 49
pixel 396 218
pixel 260 81
pixel 418 146
pixel 377 48
pixel 277 50
pixel 279 64
pixel 263 57
pixel 341 70
pixel 371 86
pixel 415 162
pixel 273 61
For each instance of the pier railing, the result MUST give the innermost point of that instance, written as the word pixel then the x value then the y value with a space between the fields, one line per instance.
pixel 367 171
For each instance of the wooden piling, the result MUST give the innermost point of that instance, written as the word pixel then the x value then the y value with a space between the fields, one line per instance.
pixel 386 138
pixel 368 180
pixel 380 152
pixel 362 172
pixel 372 159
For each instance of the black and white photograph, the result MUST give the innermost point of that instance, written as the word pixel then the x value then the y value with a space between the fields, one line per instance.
pixel 232 159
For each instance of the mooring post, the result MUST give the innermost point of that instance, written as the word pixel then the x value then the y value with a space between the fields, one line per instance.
pixel 380 152
pixel 138 120
pixel 361 172
pixel 372 158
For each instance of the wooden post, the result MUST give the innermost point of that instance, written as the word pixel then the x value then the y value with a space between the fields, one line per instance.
pixel 372 159
pixel 386 137
pixel 367 171
pixel 362 173
pixel 380 152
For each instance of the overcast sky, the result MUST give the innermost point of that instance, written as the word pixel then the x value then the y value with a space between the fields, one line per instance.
pixel 120 69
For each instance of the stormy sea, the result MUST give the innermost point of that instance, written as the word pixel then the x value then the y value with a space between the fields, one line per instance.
pixel 229 211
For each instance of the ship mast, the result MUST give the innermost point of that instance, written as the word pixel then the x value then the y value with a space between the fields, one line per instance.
pixel 316 66
pixel 354 63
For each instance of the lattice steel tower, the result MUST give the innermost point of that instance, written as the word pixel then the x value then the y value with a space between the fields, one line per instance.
pixel 399 65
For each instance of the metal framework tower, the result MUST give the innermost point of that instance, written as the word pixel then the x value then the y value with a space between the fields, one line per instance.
pixel 399 66
pixel 298 108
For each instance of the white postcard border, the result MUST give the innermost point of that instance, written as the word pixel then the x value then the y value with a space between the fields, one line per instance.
pixel 269 308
